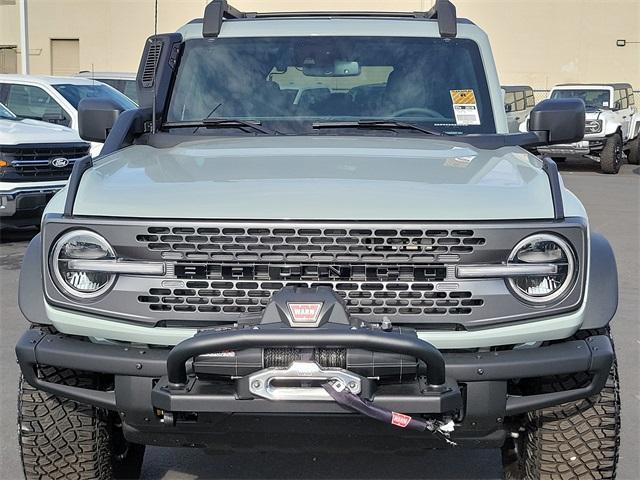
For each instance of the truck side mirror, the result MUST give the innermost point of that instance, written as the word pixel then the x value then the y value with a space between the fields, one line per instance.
pixel 96 117
pixel 507 108
pixel 558 121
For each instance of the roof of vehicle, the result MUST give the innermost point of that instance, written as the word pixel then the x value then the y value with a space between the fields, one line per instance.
pixel 46 79
pixel 515 88
pixel 106 75
pixel 218 13
pixel 612 85
pixel 326 24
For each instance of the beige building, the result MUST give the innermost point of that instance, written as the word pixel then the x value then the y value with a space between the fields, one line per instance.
pixel 536 42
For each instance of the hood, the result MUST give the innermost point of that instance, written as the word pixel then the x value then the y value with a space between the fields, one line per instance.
pixel 15 132
pixel 317 178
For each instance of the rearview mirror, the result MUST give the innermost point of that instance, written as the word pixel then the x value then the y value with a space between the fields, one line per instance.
pixel 339 68
pixel 96 117
pixel 558 121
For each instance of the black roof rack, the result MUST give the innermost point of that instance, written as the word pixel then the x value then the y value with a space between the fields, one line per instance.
pixel 219 10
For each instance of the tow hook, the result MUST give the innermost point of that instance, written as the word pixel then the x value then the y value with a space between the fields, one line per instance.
pixel 342 394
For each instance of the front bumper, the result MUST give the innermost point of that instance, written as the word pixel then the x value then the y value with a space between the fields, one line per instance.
pixel 159 405
pixel 26 204
pixel 584 147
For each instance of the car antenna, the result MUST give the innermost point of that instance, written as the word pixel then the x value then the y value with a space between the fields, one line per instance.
pixel 155 68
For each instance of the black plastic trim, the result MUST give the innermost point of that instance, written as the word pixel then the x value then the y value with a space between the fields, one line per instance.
pixel 30 289
pixel 130 123
pixel 602 288
pixel 79 167
pixel 551 169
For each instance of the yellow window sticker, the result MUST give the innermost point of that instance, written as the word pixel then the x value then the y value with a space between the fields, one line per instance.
pixel 465 107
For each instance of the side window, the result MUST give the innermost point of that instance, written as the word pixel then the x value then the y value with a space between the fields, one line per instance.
pixel 510 101
pixel 131 90
pixel 624 101
pixel 530 98
pixel 520 101
pixel 617 99
pixel 632 101
pixel 33 102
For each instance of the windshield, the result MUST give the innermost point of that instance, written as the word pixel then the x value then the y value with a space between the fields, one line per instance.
pixel 591 98
pixel 74 93
pixel 432 82
pixel 6 113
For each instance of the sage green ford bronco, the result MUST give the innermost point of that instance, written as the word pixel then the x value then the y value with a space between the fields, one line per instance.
pixel 319 222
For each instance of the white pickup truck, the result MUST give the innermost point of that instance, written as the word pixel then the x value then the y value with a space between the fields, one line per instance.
pixel 612 125
pixel 35 161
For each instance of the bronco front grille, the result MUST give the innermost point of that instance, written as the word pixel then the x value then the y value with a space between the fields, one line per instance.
pixel 217 271
pixel 364 298
pixel 283 244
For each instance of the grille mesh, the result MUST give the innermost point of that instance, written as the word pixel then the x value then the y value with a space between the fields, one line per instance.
pixel 310 244
pixel 364 298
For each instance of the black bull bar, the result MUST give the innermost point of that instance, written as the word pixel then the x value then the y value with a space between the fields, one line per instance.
pixel 374 340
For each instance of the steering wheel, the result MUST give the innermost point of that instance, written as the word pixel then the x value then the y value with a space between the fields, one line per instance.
pixel 410 110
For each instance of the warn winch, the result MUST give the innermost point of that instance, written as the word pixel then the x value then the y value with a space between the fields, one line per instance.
pixel 306 354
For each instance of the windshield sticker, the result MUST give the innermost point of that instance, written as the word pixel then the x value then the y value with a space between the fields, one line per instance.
pixel 465 107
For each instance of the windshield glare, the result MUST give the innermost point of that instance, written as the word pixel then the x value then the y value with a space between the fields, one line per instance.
pixel 433 82
pixel 6 113
pixel 591 98
pixel 74 93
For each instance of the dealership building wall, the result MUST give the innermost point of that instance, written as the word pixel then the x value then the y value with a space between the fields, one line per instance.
pixel 536 42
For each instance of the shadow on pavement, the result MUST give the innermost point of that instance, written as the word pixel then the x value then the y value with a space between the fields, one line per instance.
pixel 430 464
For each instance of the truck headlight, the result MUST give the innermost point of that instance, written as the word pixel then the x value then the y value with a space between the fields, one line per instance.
pixel 543 248
pixel 593 126
pixel 81 245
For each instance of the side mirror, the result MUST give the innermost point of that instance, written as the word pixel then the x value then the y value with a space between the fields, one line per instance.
pixel 617 105
pixel 507 108
pixel 96 117
pixel 558 121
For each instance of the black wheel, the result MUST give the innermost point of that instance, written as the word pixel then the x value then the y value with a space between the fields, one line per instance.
pixel 576 440
pixel 63 439
pixel 633 157
pixel 611 155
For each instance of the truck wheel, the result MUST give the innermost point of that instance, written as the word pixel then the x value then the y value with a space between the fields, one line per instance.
pixel 63 439
pixel 634 151
pixel 576 440
pixel 611 155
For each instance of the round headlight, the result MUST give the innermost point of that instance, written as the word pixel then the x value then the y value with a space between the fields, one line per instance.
pixel 543 248
pixel 81 245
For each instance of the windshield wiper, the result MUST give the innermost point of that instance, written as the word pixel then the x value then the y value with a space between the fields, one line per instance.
pixel 254 125
pixel 388 124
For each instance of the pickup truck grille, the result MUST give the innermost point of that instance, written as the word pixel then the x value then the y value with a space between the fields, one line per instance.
pixel 321 245
pixel 29 162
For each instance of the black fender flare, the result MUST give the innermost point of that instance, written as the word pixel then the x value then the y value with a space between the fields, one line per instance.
pixel 31 287
pixel 602 289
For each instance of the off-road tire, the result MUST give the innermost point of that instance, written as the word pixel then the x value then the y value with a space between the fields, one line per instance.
pixel 611 154
pixel 63 439
pixel 575 440
pixel 633 157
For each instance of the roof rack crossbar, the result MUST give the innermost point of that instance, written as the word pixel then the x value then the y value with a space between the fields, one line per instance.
pixel 445 12
pixel 214 13
pixel 218 10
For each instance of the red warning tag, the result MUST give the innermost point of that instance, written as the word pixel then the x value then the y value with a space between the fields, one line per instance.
pixel 400 419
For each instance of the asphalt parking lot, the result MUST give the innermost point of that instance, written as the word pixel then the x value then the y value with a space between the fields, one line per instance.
pixel 613 203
